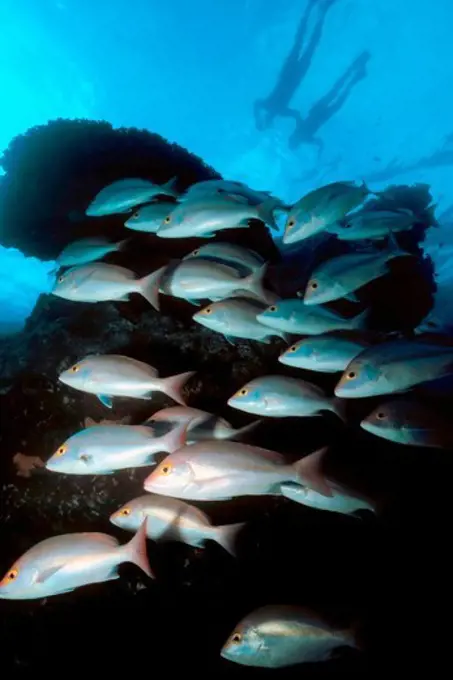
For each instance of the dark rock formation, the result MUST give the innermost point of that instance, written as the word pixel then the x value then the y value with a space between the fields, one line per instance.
pixel 344 568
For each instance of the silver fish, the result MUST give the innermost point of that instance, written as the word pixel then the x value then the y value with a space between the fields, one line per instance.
pixel 282 635
pixel 100 282
pixel 148 218
pixel 278 396
pixel 411 423
pixel 199 279
pixel 124 194
pixel 394 366
pixel 321 208
pixel 219 470
pixel 206 216
pixel 87 250
pixel 373 224
pixel 294 316
pixel 172 519
pixel 222 187
pixel 63 563
pixel 323 353
pixel 115 375
pixel 103 449
pixel 341 502
pixel 236 318
pixel 200 424
pixel 229 253
pixel 341 276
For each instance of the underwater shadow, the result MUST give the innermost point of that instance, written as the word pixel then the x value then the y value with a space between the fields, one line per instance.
pixel 294 69
pixel 440 158
pixel 326 107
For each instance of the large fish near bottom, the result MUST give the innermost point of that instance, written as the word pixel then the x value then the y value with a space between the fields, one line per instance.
pixel 101 282
pixel 104 449
pixel 63 563
pixel 171 519
pixel 394 366
pixel 207 215
pixel 115 375
pixel 283 635
pixel 279 396
pixel 220 470
pixel 124 194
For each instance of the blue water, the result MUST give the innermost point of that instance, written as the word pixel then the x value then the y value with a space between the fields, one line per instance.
pixel 191 71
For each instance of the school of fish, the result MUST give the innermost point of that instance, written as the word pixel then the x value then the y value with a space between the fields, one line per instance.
pixel 205 457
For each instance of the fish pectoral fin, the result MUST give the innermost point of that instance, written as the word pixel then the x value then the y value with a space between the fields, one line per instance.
pixel 124 298
pixel 105 400
pixel 195 303
pixel 230 340
pixel 46 574
pixel 352 297
pixel 208 235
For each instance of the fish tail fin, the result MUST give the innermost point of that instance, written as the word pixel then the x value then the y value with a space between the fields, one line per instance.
pixel 338 406
pixel 266 212
pixel 254 283
pixel 148 286
pixel 309 472
pixel 174 384
pixel 170 186
pixel 177 437
pixel 122 245
pixel 359 321
pixel 247 429
pixel 136 552
pixel 394 248
pixel 226 536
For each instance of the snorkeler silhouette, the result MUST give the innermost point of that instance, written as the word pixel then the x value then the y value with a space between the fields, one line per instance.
pixel 293 70
pixel 328 106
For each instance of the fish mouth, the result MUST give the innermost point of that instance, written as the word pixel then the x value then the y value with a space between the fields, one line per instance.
pixel 291 236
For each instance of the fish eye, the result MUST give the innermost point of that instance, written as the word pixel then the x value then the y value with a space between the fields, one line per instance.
pixel 291 223
pixel 125 512
pixel 293 348
pixel 61 278
pixel 75 368
pixel 166 469
pixel 236 638
pixel 196 252
pixel 61 451
pixel 313 285
pixel 273 308
pixel 243 393
pixel 351 375
pixel 208 310
pixel 381 415
pixel 135 216
pixel 10 576
pixel 167 219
